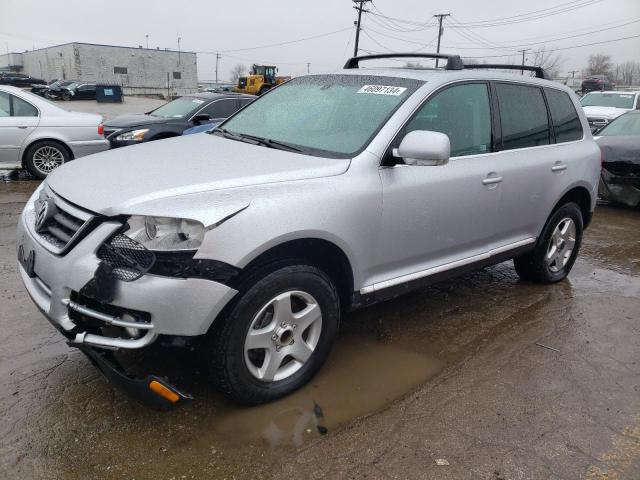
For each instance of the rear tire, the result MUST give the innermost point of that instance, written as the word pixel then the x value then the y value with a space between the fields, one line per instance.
pixel 66 96
pixel 557 247
pixel 263 90
pixel 43 157
pixel 276 335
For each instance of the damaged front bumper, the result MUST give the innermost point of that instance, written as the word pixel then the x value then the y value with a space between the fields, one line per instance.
pixel 135 314
pixel 622 189
pixel 151 391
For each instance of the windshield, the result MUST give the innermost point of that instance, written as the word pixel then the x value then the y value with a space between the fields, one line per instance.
pixel 325 115
pixel 178 108
pixel 628 124
pixel 617 100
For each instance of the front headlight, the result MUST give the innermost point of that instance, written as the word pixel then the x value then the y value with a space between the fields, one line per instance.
pixel 164 233
pixel 135 135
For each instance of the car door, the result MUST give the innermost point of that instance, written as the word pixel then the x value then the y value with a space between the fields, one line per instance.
pixel 436 218
pixel 529 162
pixel 18 118
pixel 86 92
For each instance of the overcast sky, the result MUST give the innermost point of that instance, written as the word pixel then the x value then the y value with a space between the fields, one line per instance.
pixel 214 25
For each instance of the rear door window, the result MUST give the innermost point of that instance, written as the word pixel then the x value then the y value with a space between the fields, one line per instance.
pixel 461 112
pixel 22 108
pixel 566 122
pixel 523 116
pixel 221 108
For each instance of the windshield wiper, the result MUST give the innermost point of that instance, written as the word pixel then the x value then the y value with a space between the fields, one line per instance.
pixel 267 142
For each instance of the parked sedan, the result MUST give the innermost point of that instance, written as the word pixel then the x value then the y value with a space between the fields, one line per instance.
pixel 74 91
pixel 173 118
pixel 37 135
pixel 620 145
pixel 19 79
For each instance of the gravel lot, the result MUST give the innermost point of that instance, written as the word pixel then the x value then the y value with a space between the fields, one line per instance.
pixel 500 378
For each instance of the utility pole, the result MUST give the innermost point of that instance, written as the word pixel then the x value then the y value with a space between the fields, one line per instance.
pixel 523 51
pixel 440 17
pixel 308 67
pixel 218 57
pixel 147 37
pixel 573 77
pixel 360 9
pixel 179 50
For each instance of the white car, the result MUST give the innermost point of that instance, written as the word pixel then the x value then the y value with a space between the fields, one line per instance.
pixel 602 108
pixel 38 135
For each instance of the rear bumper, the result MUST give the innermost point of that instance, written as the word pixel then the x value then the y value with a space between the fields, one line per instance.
pixel 82 148
pixel 175 306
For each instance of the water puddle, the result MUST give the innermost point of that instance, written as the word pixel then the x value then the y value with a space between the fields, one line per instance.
pixel 360 378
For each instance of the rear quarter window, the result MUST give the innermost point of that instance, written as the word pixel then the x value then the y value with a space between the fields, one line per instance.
pixel 566 123
pixel 523 116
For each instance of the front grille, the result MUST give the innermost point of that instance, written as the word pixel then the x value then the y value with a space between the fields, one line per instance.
pixel 128 258
pixel 58 222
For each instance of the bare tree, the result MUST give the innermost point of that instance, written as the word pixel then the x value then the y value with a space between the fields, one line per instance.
pixel 599 64
pixel 627 73
pixel 550 61
pixel 238 71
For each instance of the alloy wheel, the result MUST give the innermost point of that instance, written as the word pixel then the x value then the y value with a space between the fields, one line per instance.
pixel 561 245
pixel 47 158
pixel 282 336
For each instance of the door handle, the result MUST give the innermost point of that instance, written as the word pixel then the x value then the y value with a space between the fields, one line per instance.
pixel 491 180
pixel 23 126
pixel 558 168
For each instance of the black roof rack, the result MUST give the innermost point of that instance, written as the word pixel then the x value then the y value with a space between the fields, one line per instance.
pixel 540 72
pixel 454 62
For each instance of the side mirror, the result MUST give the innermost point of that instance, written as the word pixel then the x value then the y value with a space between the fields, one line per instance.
pixel 201 118
pixel 422 147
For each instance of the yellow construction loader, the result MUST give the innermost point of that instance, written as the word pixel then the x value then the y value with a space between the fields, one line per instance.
pixel 260 79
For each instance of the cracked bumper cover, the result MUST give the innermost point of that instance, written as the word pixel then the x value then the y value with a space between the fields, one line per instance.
pixel 177 306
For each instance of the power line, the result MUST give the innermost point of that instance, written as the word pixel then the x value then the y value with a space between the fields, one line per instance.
pixel 535 15
pixel 565 48
pixel 277 44
pixel 551 39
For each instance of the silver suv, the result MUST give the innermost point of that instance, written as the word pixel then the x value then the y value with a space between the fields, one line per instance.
pixel 329 193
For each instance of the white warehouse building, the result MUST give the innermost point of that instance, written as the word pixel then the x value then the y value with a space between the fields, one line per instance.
pixel 140 71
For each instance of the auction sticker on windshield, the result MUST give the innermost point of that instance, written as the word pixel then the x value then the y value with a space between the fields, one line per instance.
pixel 382 90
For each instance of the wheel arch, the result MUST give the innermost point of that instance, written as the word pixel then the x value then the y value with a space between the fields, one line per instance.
pixel 580 195
pixel 32 142
pixel 318 252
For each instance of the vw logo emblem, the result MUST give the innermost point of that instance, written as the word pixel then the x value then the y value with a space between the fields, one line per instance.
pixel 42 209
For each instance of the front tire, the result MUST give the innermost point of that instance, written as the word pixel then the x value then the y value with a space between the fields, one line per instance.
pixel 276 336
pixel 556 249
pixel 42 158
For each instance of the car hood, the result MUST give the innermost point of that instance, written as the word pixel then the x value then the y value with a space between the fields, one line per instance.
pixel 623 148
pixel 123 180
pixel 606 112
pixel 126 121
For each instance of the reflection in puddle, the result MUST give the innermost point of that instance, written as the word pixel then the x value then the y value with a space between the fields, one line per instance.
pixel 361 377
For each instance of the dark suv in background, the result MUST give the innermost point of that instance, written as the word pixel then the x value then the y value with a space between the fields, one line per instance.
pixel 19 79
pixel 597 82
pixel 173 118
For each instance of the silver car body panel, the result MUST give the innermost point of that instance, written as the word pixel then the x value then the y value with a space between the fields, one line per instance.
pixel 78 131
pixel 394 224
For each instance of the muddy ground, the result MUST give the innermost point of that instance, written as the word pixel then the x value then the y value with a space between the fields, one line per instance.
pixel 499 378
